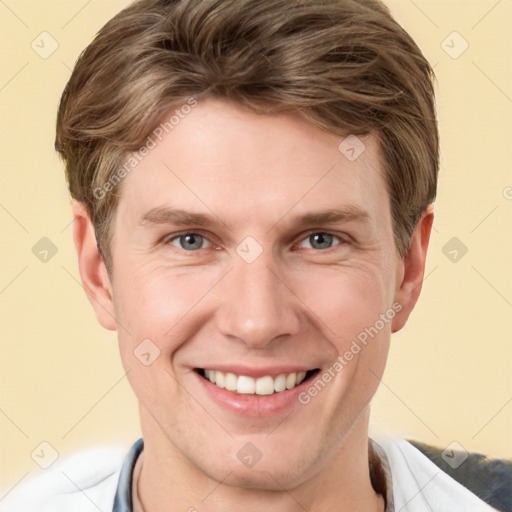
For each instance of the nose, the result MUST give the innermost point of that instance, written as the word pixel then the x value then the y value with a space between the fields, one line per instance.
pixel 258 306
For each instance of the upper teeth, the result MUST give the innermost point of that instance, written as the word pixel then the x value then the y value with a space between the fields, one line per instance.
pixel 249 386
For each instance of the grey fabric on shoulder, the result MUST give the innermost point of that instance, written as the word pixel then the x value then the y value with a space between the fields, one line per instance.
pixel 489 479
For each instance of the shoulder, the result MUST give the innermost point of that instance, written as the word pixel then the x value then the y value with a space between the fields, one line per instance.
pixel 488 478
pixel 422 482
pixel 84 482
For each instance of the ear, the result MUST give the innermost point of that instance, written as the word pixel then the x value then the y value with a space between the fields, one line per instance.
pixel 93 272
pixel 412 269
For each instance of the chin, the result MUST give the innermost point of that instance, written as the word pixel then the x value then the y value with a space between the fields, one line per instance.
pixel 276 473
pixel 271 479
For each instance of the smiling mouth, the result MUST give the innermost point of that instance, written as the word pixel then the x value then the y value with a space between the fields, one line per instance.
pixel 266 385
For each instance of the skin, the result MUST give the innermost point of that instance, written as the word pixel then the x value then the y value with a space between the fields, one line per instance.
pixel 295 304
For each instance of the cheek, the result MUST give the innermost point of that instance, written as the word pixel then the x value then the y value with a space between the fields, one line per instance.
pixel 354 312
pixel 159 303
pixel 153 310
pixel 345 301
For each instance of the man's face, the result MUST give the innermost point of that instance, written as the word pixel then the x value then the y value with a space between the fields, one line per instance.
pixel 251 245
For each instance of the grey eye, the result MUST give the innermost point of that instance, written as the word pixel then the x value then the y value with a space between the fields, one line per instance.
pixel 189 241
pixel 321 241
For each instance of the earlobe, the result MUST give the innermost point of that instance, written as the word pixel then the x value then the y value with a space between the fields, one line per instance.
pixel 413 269
pixel 93 273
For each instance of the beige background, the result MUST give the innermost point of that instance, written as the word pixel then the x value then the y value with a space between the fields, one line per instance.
pixel 449 373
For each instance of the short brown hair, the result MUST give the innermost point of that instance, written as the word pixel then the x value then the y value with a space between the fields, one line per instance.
pixel 345 65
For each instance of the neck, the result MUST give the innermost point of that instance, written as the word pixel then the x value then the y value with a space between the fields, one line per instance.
pixel 168 481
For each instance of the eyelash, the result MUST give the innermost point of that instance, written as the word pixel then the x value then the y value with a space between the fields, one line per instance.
pixel 304 237
pixel 168 240
pixel 337 238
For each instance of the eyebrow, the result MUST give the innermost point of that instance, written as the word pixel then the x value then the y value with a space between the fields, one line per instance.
pixel 178 217
pixel 344 214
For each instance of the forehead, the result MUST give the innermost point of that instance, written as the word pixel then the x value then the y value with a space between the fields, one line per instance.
pixel 237 165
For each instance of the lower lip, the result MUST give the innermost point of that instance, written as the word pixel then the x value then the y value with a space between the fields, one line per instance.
pixel 253 405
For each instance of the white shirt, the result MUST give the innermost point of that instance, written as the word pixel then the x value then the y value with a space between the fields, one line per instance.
pixel 89 482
